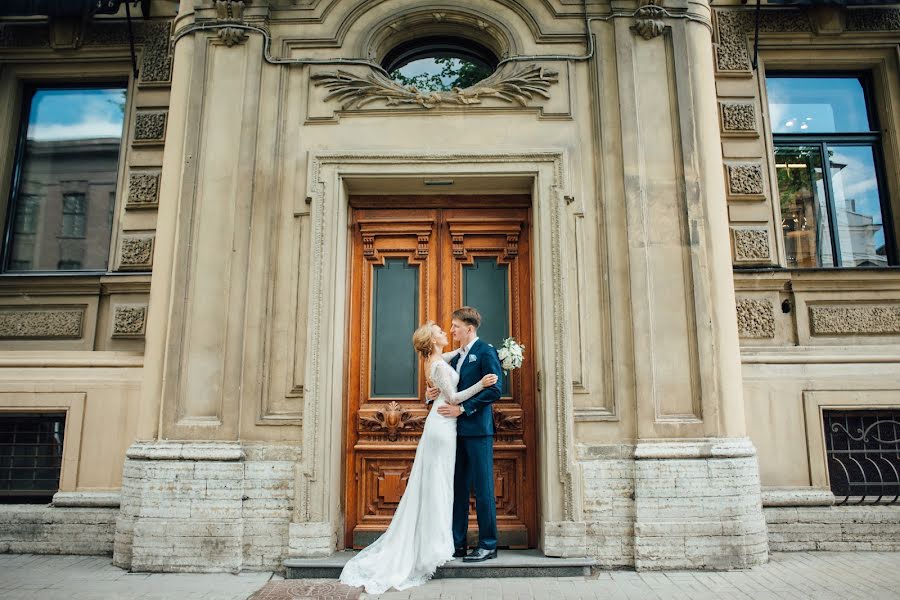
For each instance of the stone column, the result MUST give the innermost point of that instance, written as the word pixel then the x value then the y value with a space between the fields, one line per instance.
pixel 696 480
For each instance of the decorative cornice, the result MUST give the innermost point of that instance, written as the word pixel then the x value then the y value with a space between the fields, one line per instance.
pixel 517 86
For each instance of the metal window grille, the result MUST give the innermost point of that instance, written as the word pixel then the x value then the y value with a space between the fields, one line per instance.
pixel 863 452
pixel 31 448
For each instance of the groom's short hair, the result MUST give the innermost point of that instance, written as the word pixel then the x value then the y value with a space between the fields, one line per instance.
pixel 468 315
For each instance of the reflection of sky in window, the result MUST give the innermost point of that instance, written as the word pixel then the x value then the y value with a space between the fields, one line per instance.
pixel 427 66
pixel 817 104
pixel 856 181
pixel 71 114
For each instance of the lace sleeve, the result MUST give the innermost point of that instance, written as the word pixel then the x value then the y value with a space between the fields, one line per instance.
pixel 441 378
pixel 448 356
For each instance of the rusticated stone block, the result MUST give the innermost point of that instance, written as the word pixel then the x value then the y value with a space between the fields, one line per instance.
pixel 756 318
pixel 751 245
pixel 50 323
pixel 867 319
pixel 150 126
pixel 143 190
pixel 129 321
pixel 745 179
pixel 136 253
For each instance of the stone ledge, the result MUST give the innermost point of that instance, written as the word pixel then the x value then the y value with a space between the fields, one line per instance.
pixel 793 496
pixel 205 451
pixel 87 499
pixel 694 448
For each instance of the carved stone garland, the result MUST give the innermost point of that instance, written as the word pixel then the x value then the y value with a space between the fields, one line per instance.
pixel 518 86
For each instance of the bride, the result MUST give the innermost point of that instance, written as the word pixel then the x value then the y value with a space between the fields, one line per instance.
pixel 419 538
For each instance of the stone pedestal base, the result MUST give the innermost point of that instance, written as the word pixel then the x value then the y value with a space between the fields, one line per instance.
pixel 204 507
pixel 310 540
pixel 674 504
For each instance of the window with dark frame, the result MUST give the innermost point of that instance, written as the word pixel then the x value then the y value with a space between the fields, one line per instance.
pixel 65 177
pixel 31 447
pixel 834 207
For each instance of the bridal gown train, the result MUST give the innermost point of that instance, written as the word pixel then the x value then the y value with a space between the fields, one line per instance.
pixel 419 538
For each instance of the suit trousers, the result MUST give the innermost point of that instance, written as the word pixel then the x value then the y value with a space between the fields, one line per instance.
pixel 475 470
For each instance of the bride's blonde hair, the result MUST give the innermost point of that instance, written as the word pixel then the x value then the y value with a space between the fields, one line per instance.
pixel 423 339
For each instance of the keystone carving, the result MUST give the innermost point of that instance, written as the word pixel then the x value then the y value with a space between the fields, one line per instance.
pixel 518 86
pixel 129 321
pixel 745 180
pixel 40 324
pixel 143 190
pixel 392 419
pixel 751 245
pixel 756 318
pixel 150 126
pixel 871 319
pixel 649 20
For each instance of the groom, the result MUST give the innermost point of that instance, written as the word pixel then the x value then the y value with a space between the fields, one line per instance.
pixel 474 437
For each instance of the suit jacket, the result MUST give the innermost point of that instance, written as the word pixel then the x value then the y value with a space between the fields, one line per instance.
pixel 477 418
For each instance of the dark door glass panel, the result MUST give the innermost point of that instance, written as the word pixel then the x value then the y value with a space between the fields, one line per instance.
pixel 67 171
pixel 395 316
pixel 817 105
pixel 486 287
pixel 804 213
pixel 858 216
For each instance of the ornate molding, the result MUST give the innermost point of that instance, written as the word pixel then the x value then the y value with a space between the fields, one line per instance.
pixel 150 127
pixel 46 323
pixel 858 319
pixel 230 11
pixel 733 28
pixel 392 419
pixel 504 422
pixel 136 253
pixel 751 244
pixel 745 179
pixel 517 86
pixel 756 318
pixel 738 118
pixel 129 321
pixel 649 20
pixel 873 19
pixel 143 190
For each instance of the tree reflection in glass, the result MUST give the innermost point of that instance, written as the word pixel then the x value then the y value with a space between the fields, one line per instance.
pixel 441 74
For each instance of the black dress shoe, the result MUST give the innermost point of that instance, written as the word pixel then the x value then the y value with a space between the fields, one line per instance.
pixel 479 554
pixel 459 553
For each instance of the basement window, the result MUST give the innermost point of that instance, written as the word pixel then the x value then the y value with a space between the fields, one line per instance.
pixel 31 447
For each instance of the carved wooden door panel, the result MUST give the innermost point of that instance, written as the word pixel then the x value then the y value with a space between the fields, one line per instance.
pixel 410 265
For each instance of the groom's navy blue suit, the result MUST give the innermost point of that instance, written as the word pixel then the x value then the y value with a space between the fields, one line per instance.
pixel 475 447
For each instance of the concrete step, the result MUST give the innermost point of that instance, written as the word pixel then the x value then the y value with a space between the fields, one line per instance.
pixel 509 563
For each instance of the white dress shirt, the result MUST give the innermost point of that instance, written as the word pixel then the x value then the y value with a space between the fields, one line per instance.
pixel 464 353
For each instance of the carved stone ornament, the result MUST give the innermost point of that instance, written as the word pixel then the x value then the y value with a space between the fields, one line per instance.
pixel 738 117
pixel 136 253
pixel 230 11
pixel 16 323
pixel 756 318
pixel 129 321
pixel 392 419
pixel 873 19
pixel 733 28
pixel 865 319
pixel 745 179
pixel 517 86
pixel 150 126
pixel 143 190
pixel 751 244
pixel 649 20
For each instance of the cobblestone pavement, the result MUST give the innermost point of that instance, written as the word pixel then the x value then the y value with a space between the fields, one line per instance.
pixel 789 576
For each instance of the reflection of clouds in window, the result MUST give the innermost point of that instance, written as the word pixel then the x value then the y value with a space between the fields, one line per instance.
pixel 76 114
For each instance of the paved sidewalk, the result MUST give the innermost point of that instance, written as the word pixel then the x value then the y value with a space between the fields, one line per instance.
pixel 789 576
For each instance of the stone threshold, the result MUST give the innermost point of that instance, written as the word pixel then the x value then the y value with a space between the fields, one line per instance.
pixel 509 563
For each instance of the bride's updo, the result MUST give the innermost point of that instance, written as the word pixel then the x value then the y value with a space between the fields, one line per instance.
pixel 423 339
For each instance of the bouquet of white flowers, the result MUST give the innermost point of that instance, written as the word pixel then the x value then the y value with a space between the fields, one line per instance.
pixel 511 354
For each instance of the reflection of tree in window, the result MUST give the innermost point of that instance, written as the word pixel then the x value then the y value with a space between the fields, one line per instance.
pixel 441 74
pixel 74 218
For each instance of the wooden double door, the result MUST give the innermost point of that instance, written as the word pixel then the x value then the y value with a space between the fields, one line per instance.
pixel 410 265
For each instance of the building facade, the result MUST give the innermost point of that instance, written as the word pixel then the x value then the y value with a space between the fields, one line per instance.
pixel 217 247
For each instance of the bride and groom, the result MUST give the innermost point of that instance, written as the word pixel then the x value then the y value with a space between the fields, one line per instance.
pixel 455 454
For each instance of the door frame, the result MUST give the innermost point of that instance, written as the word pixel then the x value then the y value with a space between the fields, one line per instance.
pixel 319 485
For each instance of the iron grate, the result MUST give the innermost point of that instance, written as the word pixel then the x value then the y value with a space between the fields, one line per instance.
pixel 31 448
pixel 863 452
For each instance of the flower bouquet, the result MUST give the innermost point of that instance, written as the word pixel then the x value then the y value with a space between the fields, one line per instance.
pixel 511 354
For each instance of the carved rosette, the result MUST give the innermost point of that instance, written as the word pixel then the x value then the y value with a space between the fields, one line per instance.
pixel 861 319
pixel 751 245
pixel 50 323
pixel 756 318
pixel 745 179
pixel 129 321
pixel 143 190
pixel 392 419
pixel 150 127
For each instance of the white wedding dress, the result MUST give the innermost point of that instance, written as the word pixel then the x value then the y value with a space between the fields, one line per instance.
pixel 419 538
